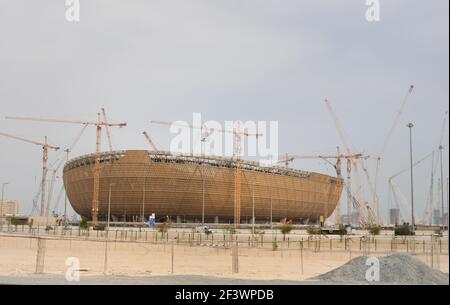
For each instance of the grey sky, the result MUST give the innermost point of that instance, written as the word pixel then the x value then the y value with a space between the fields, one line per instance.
pixel 233 59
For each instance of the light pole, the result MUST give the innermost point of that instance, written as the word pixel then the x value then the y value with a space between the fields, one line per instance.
pixel 143 200
pixel 410 126
pixel 448 231
pixel 253 209
pixel 105 266
pixel 441 148
pixel 203 197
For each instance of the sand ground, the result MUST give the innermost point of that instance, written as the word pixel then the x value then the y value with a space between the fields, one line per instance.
pixel 18 257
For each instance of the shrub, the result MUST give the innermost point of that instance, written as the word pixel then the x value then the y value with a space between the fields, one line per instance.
pixel 99 227
pixel 286 229
pixel 230 229
pixel 374 229
pixel 84 224
pixel 403 230
pixel 163 227
pixel 16 221
pixel 313 230
pixel 274 246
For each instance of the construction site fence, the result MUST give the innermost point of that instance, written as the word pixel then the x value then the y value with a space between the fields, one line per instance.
pixel 274 240
pixel 160 255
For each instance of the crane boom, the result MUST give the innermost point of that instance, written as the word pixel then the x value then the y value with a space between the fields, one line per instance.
pixel 108 134
pixel 45 147
pixel 150 140
pixel 356 162
pixel 28 141
pixel 58 166
pixel 237 134
pixel 101 123
pixel 337 124
pixel 206 128
pixel 396 120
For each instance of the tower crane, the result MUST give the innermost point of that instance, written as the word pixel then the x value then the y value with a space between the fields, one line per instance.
pixel 237 150
pixel 150 140
pixel 55 166
pixel 108 134
pixel 350 164
pixel 338 166
pixel 387 141
pixel 98 125
pixel 45 147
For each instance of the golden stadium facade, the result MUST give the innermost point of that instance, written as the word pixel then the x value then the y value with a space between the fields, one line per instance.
pixel 184 188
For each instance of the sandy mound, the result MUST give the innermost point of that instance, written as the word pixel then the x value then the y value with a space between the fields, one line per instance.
pixel 394 269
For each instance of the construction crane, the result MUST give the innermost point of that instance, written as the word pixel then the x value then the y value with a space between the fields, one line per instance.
pixel 150 140
pixel 337 166
pixel 45 147
pixel 356 163
pixel 237 150
pixel 99 124
pixel 108 134
pixel 387 141
pixel 56 166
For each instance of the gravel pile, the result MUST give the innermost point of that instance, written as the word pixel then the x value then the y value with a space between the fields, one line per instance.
pixel 394 269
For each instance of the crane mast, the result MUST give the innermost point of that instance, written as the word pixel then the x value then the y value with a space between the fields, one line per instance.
pixel 237 149
pixel 338 166
pixel 45 147
pixel 98 124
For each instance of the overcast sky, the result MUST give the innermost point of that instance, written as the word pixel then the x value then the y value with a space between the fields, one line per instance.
pixel 229 60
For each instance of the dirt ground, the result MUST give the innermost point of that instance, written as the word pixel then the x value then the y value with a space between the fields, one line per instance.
pixel 18 255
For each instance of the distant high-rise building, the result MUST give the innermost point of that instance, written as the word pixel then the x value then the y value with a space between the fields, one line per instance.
pixel 394 216
pixel 355 219
pixel 436 217
pixel 9 207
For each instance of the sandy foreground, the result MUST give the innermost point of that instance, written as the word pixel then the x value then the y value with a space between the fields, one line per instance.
pixel 18 256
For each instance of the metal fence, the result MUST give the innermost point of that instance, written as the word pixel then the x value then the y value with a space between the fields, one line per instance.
pixel 149 252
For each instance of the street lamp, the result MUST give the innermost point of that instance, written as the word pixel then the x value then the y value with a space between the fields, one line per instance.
pixel 109 203
pixel 105 266
pixel 410 126
pixel 441 148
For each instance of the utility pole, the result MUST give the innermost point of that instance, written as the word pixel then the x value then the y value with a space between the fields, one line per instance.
pixel 410 126
pixel 441 148
pixel 448 231
pixel 253 209
pixel 143 200
pixel 203 198
pixel 105 266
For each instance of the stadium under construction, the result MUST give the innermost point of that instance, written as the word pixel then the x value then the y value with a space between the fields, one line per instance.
pixel 186 188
